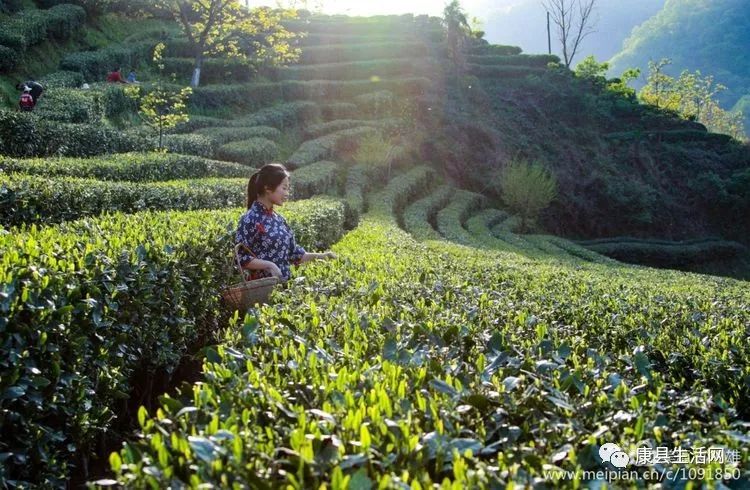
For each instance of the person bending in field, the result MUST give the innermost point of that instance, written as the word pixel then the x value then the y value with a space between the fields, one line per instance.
pixel 271 246
pixel 33 88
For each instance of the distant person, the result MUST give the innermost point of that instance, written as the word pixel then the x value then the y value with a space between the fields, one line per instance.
pixel 26 102
pixel 131 77
pixel 35 89
pixel 115 76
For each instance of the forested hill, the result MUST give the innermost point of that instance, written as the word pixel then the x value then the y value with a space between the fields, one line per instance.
pixel 707 35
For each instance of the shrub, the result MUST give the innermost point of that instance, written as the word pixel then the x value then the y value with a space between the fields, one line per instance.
pixel 355 52
pixel 354 70
pixel 94 65
pixel 503 71
pixel 253 151
pixel 660 253
pixel 526 188
pixel 222 136
pixel 27 199
pixel 377 104
pixel 62 79
pixel 496 50
pixel 317 178
pixel 214 70
pixel 134 167
pixel 339 110
pixel 26 135
pixel 150 281
pixel 70 105
pixel 373 149
pixel 535 60
pixel 238 97
pixel 116 102
pixel 189 144
pixel 328 146
pixel 30 27
pixel 8 58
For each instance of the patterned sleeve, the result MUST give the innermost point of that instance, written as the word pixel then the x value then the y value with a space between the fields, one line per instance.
pixel 246 233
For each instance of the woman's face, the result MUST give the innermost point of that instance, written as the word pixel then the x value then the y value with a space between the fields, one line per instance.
pixel 281 193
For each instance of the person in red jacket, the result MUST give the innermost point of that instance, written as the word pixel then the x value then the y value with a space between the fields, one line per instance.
pixel 115 76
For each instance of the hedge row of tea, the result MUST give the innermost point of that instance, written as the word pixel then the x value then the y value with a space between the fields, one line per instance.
pixel 29 27
pixel 442 364
pixel 89 304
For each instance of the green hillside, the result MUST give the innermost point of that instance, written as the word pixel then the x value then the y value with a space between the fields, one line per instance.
pixel 704 35
pixel 443 348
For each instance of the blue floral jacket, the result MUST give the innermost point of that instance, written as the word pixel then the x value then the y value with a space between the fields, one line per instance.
pixel 269 237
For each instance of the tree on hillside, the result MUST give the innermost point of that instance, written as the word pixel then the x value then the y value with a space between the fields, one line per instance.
pixel 573 21
pixel 226 28
pixel 693 96
pixel 458 32
pixel 161 108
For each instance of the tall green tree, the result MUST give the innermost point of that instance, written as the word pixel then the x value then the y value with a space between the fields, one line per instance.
pixel 226 28
pixel 458 32
pixel 161 108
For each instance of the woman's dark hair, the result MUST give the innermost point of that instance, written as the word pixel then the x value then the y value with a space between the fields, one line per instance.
pixel 269 176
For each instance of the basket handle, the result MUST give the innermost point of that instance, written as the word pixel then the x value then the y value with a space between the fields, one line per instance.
pixel 237 258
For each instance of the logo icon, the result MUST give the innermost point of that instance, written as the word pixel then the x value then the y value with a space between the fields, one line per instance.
pixel 612 453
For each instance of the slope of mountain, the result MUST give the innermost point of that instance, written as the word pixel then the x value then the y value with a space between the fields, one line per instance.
pixel 707 35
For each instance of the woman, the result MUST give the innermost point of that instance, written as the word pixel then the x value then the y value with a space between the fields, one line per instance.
pixel 265 232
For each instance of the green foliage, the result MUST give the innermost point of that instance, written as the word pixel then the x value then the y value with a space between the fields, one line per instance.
pixel 255 152
pixel 495 50
pixel 94 65
pixel 225 28
pixel 373 149
pixel 334 145
pixel 62 79
pixel 419 215
pixel 668 254
pixel 537 60
pixel 693 97
pixel 457 34
pixel 161 108
pixel 221 136
pixel 526 188
pixel 213 70
pixel 697 35
pixel 31 26
pixel 26 199
pixel 595 72
pixel 317 178
pixel 188 144
pixel 450 219
pixel 340 53
pixel 357 70
pixel 132 167
pixel 150 280
pixel 27 135
pixel 71 106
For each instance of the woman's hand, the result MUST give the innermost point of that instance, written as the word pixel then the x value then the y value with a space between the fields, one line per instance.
pixel 329 255
pixel 274 270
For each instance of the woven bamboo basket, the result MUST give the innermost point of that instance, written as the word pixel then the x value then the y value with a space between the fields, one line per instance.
pixel 248 293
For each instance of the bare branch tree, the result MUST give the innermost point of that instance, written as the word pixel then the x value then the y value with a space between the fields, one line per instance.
pixel 574 22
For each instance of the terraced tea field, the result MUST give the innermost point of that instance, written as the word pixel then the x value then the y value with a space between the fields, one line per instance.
pixel 440 350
